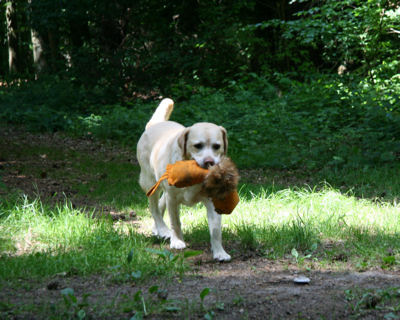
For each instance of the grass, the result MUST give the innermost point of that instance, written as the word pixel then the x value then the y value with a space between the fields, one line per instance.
pixel 107 179
pixel 361 301
pixel 314 229
pixel 42 241
pixel 343 219
pixel 330 122
pixel 271 220
pixel 276 222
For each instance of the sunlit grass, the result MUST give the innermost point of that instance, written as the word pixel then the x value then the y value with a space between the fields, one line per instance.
pixel 325 221
pixel 306 219
pixel 40 241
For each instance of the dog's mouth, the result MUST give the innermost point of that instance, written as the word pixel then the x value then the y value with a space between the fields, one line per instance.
pixel 207 164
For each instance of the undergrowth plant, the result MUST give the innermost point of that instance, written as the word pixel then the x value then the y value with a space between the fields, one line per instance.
pixel 273 121
pixel 75 308
pixel 362 301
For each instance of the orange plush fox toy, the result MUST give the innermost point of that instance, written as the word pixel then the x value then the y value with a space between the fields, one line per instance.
pixel 219 182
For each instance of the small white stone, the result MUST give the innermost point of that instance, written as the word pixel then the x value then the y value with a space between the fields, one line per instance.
pixel 301 280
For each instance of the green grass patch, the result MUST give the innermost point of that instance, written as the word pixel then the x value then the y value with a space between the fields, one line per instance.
pixel 322 225
pixel 43 241
pixel 323 222
pixel 345 217
pixel 113 183
pixel 335 218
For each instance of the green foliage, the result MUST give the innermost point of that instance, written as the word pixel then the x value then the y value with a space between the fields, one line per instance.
pixel 300 259
pixel 248 241
pixel 203 294
pixel 339 122
pixel 362 301
pixel 168 258
pixel 257 74
pixel 103 45
pixel 74 308
pixel 329 121
pixel 356 34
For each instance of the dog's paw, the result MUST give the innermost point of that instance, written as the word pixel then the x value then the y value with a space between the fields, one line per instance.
pixel 177 244
pixel 162 233
pixel 221 256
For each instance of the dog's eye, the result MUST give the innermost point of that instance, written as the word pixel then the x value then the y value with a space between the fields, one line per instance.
pixel 199 146
pixel 216 146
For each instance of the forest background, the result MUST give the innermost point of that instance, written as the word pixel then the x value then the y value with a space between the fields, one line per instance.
pixel 298 84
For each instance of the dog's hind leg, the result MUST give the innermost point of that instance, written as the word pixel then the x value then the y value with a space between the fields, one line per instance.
pixel 214 224
pixel 162 204
pixel 160 229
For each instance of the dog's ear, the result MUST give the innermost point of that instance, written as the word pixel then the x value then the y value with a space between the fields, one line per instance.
pixel 182 142
pixel 225 138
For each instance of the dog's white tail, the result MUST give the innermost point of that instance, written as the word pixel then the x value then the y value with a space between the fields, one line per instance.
pixel 162 112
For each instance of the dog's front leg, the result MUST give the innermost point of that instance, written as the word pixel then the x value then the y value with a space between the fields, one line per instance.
pixel 160 229
pixel 176 234
pixel 214 224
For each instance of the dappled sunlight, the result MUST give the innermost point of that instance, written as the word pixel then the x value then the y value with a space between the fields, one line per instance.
pixel 36 227
pixel 44 240
pixel 317 205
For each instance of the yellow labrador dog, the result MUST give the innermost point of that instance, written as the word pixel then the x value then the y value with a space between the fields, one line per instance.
pixel 165 142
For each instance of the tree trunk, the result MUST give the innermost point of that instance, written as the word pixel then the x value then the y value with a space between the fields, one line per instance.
pixel 39 60
pixel 38 48
pixel 12 37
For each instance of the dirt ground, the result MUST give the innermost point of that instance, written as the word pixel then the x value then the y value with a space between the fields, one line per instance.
pixel 248 287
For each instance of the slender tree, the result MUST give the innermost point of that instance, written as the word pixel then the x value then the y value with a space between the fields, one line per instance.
pixel 3 42
pixel 39 58
pixel 12 37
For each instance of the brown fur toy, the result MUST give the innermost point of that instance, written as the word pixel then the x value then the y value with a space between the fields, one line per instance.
pixel 221 179
pixel 219 183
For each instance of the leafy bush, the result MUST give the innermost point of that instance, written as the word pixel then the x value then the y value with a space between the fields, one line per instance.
pixel 359 35
pixel 276 122
pixel 328 121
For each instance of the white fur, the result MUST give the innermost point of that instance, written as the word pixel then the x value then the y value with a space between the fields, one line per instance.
pixel 165 142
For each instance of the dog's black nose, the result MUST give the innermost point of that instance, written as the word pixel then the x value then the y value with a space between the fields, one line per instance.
pixel 208 162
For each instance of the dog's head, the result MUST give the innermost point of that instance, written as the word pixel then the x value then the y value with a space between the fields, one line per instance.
pixel 204 142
